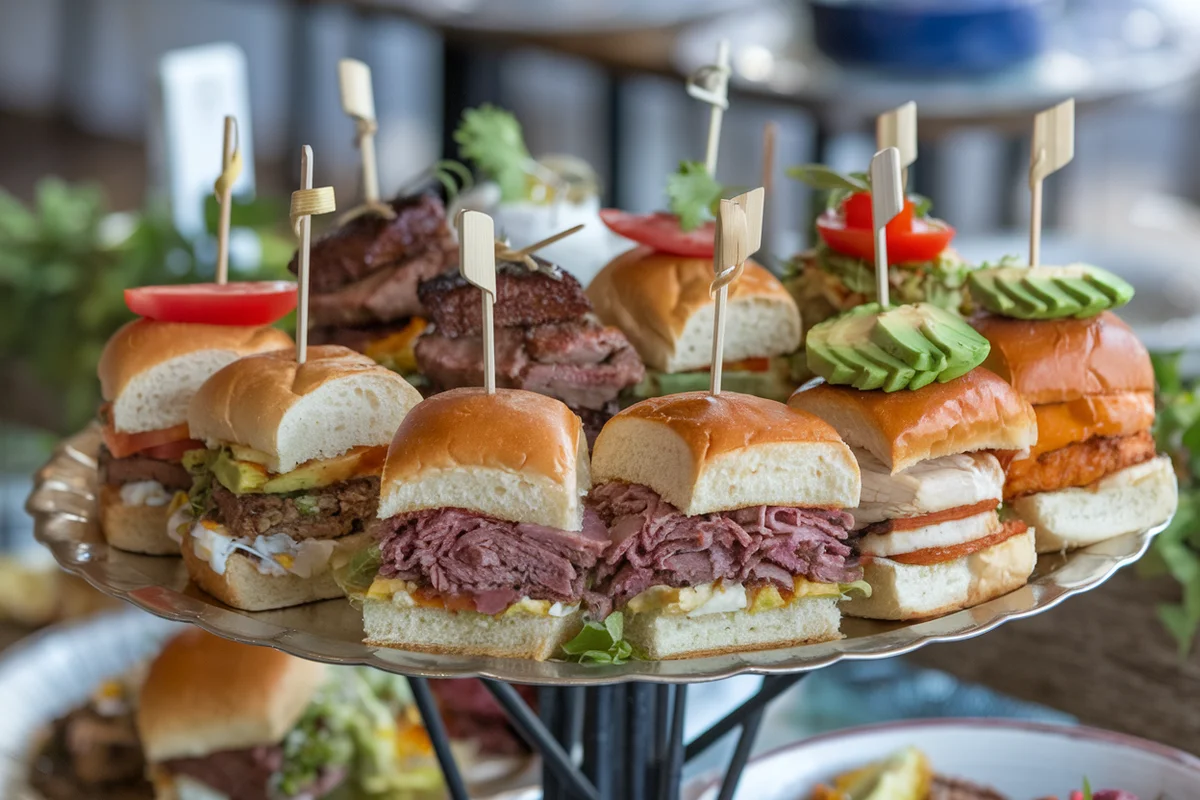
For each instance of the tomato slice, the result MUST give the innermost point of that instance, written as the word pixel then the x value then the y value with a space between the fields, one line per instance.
pixel 925 240
pixel 122 445
pixel 661 231
pixel 242 303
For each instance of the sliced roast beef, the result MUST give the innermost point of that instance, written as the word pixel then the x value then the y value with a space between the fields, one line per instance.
pixel 386 295
pixel 579 341
pixel 655 544
pixel 325 513
pixel 493 562
pixel 472 714
pixel 523 298
pixel 238 774
pixel 119 471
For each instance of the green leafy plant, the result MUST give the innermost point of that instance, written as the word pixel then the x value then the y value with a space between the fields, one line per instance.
pixel 1176 551
pixel 601 642
pixel 693 194
pixel 491 138
pixel 839 186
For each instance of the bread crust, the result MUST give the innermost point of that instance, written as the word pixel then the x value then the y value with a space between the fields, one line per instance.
pixel 651 295
pixel 1056 361
pixel 135 529
pixel 977 411
pixel 145 343
pixel 204 693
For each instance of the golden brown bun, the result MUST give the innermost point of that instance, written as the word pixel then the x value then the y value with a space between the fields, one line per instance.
pixel 662 303
pixel 203 694
pixel 144 343
pixel 242 586
pixel 513 455
pixel 336 400
pixel 705 453
pixel 1054 361
pixel 978 411
pixel 136 529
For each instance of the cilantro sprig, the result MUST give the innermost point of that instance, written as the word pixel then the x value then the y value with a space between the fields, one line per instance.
pixel 491 138
pixel 839 186
pixel 693 194
pixel 601 642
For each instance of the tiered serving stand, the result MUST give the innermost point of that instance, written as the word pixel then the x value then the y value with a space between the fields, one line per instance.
pixel 603 731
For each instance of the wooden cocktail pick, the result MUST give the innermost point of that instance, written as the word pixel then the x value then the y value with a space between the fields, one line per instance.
pixel 477 263
pixel 710 84
pixel 739 236
pixel 358 101
pixel 1053 148
pixel 887 200
pixel 770 133
pixel 898 128
pixel 231 168
pixel 306 201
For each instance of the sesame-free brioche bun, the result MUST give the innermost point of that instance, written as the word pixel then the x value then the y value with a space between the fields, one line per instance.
pixel 513 455
pixel 704 453
pixel 663 305
pixel 203 694
pixel 149 370
pixel 136 529
pixel 336 400
pixel 977 411
pixel 1055 361
pixel 920 591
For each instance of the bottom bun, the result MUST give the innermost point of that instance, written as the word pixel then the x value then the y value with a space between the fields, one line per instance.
pixel 242 586
pixel 663 636
pixel 466 633
pixel 912 591
pixel 1132 499
pixel 137 529
pixel 181 787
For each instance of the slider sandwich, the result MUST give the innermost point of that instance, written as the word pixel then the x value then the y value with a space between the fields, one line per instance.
pixel 149 371
pixel 1093 473
pixel 290 477
pixel 663 304
pixel 364 276
pixel 220 720
pixel 547 340
pixel 485 542
pixel 928 527
pixel 728 524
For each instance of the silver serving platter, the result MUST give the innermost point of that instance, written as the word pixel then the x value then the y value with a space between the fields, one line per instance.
pixel 63 507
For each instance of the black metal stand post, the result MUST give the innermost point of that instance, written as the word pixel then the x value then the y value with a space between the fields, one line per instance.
pixel 620 742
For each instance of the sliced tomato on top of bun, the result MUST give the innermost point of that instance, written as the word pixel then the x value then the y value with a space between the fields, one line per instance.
pixel 240 303
pixel 661 231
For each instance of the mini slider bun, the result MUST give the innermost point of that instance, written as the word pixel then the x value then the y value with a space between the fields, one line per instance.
pixel 149 370
pixel 513 455
pixel 205 694
pixel 977 411
pixel 662 303
pixel 135 529
pixel 1056 361
pixel 336 400
pixel 703 453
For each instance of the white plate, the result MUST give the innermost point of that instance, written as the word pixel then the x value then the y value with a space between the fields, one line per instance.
pixel 1023 760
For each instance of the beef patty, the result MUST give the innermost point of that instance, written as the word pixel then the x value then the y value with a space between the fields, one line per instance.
pixel 329 512
pixel 131 469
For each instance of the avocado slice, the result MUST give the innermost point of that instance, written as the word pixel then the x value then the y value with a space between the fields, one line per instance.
pixel 239 477
pixel 898 332
pixel 905 775
pixel 1076 290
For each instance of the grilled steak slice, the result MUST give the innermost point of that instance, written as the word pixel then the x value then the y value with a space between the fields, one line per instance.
pixel 327 513
pixel 523 298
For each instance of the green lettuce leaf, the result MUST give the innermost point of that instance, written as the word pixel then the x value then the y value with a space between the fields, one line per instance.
pixel 355 573
pixel 862 587
pixel 491 138
pixel 601 642
pixel 692 194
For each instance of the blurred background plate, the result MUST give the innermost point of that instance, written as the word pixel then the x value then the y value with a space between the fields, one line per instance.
pixel 1019 759
pixel 56 670
pixel 63 507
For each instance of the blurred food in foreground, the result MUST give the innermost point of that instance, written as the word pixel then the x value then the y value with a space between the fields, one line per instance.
pixel 35 592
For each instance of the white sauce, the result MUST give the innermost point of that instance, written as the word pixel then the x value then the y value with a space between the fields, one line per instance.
pixel 307 558
pixel 933 485
pixel 145 493
pixel 179 518
pixel 694 601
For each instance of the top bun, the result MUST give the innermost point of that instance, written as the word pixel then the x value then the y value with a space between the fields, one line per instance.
pixel 978 411
pixel 513 455
pixel 662 303
pixel 149 370
pixel 704 453
pixel 1055 361
pixel 336 400
pixel 204 693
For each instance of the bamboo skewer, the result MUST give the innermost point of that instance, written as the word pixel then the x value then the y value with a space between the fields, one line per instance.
pixel 306 201
pixel 231 168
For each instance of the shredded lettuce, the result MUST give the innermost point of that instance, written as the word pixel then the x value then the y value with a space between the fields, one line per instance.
pixel 356 573
pixel 862 587
pixel 601 642
pixel 197 463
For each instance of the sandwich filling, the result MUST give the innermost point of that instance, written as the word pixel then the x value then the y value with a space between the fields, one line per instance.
pixel 285 523
pixel 751 558
pixel 547 341
pixel 144 468
pixel 935 511
pixel 464 561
